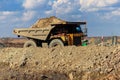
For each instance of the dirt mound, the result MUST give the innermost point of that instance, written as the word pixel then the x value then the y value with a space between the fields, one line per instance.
pixel 47 22
pixel 12 42
pixel 68 63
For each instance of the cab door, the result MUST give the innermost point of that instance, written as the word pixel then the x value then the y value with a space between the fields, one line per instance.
pixel 77 39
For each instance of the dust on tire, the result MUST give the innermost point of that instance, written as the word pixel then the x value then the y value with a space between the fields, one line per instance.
pixel 30 43
pixel 55 43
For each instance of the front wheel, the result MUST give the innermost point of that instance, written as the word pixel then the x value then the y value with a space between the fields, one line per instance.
pixel 30 43
pixel 55 43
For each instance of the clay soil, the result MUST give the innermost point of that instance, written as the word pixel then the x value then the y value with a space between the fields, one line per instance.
pixel 68 63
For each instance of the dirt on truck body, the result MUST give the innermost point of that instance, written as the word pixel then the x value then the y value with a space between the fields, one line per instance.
pixel 55 32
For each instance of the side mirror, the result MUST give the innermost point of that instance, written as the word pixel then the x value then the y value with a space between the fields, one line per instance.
pixel 85 31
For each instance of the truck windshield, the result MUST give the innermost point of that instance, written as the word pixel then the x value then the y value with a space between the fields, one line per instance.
pixel 78 29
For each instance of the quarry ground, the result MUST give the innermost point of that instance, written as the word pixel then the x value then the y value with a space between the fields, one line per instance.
pixel 90 62
pixel 68 63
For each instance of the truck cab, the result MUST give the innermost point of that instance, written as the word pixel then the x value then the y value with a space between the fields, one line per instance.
pixel 71 33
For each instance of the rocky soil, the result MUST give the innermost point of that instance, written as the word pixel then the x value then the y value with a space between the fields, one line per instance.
pixel 45 22
pixel 68 63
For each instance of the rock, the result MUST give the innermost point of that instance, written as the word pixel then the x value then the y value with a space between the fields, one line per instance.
pixel 71 76
pixel 80 63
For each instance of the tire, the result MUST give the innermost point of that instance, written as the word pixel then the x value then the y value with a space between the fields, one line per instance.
pixel 2 45
pixel 55 43
pixel 30 43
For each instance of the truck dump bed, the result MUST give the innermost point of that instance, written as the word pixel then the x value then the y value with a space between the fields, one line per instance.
pixel 36 33
pixel 40 30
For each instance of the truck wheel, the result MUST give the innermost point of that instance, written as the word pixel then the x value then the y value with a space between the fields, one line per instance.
pixel 55 43
pixel 30 43
pixel 2 45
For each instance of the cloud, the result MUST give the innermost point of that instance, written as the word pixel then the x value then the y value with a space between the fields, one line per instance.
pixel 7 15
pixel 116 12
pixel 16 16
pixel 60 8
pixel 35 7
pixel 32 4
pixel 95 5
pixel 112 14
pixel 28 15
pixel 31 9
pixel 64 8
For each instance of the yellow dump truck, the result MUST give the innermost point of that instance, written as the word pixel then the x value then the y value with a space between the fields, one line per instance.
pixel 61 34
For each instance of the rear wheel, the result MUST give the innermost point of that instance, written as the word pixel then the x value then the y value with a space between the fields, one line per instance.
pixel 2 45
pixel 55 43
pixel 30 43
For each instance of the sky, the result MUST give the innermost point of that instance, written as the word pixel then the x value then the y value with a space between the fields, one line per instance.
pixel 102 16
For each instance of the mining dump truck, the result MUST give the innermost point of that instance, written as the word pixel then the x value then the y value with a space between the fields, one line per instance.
pixel 63 33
